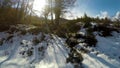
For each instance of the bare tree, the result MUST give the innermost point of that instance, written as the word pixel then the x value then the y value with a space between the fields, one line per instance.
pixel 24 8
pixel 46 12
pixel 59 7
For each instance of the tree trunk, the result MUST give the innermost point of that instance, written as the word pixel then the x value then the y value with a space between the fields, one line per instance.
pixel 57 19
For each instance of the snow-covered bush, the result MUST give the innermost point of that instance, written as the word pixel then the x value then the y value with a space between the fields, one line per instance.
pixel 35 41
pixel 29 53
pixel 14 29
pixel 23 32
pixel 40 48
pixel 83 50
pixel 90 41
pixel 35 31
pixel 105 30
pixel 72 42
pixel 64 28
pixel 75 58
pixel 87 25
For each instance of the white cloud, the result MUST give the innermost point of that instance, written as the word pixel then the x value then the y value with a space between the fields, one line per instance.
pixel 103 14
pixel 73 14
pixel 117 16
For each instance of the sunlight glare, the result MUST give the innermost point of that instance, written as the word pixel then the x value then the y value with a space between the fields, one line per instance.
pixel 39 5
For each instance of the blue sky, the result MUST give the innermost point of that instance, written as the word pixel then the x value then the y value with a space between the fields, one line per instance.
pixel 95 7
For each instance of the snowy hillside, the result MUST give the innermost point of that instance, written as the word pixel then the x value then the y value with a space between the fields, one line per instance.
pixel 32 51
pixel 44 51
pixel 106 54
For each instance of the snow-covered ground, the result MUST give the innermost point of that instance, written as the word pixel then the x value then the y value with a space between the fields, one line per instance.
pixel 51 53
pixel 106 54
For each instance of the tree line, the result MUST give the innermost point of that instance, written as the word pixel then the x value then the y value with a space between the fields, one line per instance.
pixel 21 11
pixel 14 12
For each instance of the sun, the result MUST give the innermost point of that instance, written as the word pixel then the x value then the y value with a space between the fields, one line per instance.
pixel 39 5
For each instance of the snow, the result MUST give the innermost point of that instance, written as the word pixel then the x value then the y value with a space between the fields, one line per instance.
pixel 105 55
pixel 53 56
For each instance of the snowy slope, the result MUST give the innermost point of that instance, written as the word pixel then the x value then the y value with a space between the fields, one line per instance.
pixel 106 54
pixel 55 57
pixel 53 54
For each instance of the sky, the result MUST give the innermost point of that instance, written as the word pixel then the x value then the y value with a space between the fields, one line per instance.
pixel 96 7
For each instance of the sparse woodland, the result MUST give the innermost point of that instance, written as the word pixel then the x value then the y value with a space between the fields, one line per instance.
pixel 19 21
pixel 21 12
